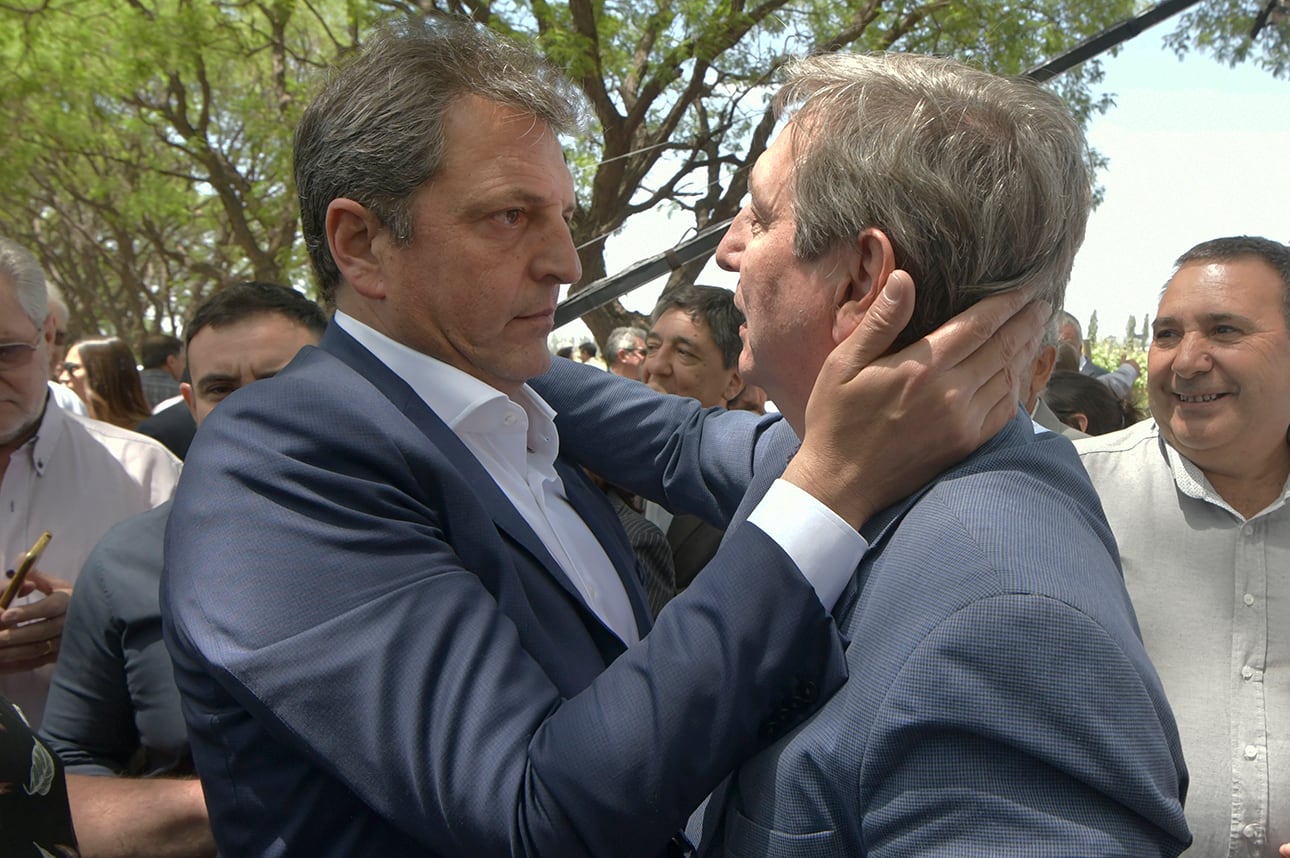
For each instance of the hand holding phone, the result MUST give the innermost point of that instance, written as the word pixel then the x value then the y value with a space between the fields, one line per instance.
pixel 25 565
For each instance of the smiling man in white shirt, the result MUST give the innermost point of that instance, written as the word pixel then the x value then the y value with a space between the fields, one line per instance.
pixel 1196 497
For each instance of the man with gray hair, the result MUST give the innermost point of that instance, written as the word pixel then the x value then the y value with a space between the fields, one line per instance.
pixel 1033 386
pixel 1120 381
pixel 624 351
pixel 402 621
pixel 999 700
pixel 59 473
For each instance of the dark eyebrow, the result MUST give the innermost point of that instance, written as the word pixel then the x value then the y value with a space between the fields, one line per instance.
pixel 685 341
pixel 1210 318
pixel 213 378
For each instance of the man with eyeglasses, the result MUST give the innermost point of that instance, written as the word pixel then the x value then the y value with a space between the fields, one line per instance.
pixel 70 476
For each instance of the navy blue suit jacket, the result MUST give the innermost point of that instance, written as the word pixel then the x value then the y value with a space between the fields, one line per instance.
pixel 378 656
pixel 999 700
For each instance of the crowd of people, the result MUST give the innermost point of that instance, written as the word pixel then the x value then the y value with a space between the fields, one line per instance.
pixel 863 558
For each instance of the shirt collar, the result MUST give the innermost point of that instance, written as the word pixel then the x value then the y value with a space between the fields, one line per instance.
pixel 1191 481
pixel 466 404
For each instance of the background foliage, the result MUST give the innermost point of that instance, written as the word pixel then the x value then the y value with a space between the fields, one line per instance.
pixel 147 153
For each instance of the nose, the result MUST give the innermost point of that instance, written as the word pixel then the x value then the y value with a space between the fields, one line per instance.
pixel 1192 356
pixel 732 243
pixel 558 256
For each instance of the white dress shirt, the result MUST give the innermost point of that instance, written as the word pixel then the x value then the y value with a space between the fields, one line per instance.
pixel 67 399
pixel 518 455
pixel 1211 589
pixel 76 478
pixel 516 442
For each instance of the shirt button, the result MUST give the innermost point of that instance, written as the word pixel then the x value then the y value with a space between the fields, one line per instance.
pixel 1251 752
pixel 1251 832
pixel 1248 530
pixel 1249 600
pixel 509 419
pixel 1247 672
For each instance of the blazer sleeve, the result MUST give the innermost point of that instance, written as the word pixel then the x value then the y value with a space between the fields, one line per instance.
pixel 316 588
pixel 665 448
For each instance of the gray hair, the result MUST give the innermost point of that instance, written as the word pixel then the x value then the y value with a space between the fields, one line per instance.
pixel 24 272
pixel 1236 247
pixel 57 306
pixel 982 183
pixel 375 133
pixel 622 338
pixel 1068 318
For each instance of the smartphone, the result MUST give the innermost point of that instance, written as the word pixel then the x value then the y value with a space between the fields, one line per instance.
pixel 24 566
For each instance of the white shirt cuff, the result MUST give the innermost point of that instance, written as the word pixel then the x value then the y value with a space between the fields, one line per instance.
pixel 825 548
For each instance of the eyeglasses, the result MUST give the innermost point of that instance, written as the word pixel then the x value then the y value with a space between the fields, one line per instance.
pixel 69 367
pixel 18 355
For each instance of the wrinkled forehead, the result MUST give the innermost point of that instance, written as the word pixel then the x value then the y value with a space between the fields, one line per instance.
pixel 1247 284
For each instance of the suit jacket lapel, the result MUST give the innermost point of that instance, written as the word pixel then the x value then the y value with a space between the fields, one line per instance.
pixel 400 393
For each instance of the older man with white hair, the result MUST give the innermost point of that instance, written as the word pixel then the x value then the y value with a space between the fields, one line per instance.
pixel 60 473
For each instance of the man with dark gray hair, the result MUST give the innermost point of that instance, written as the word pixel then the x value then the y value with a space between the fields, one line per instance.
pixel 403 623
pixel 999 700
pixel 693 350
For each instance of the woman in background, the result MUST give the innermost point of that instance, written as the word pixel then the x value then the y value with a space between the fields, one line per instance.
pixel 104 374
pixel 1084 402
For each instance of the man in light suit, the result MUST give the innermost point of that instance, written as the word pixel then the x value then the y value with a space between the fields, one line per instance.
pixel 401 622
pixel 999 699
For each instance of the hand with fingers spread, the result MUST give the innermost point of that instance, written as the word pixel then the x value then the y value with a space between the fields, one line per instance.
pixel 869 441
pixel 30 634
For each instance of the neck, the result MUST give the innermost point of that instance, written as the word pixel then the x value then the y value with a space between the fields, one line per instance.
pixel 8 448
pixel 795 417
pixel 1250 491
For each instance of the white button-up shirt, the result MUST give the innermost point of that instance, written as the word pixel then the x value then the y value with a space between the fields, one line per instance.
pixel 1211 590
pixel 76 478
pixel 516 442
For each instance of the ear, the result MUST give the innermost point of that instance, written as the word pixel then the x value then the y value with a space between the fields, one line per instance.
pixel 734 384
pixel 1080 421
pixel 868 265
pixel 352 230
pixel 48 330
pixel 190 398
pixel 1039 374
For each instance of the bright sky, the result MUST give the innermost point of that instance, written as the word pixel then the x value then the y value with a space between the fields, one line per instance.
pixel 1197 151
